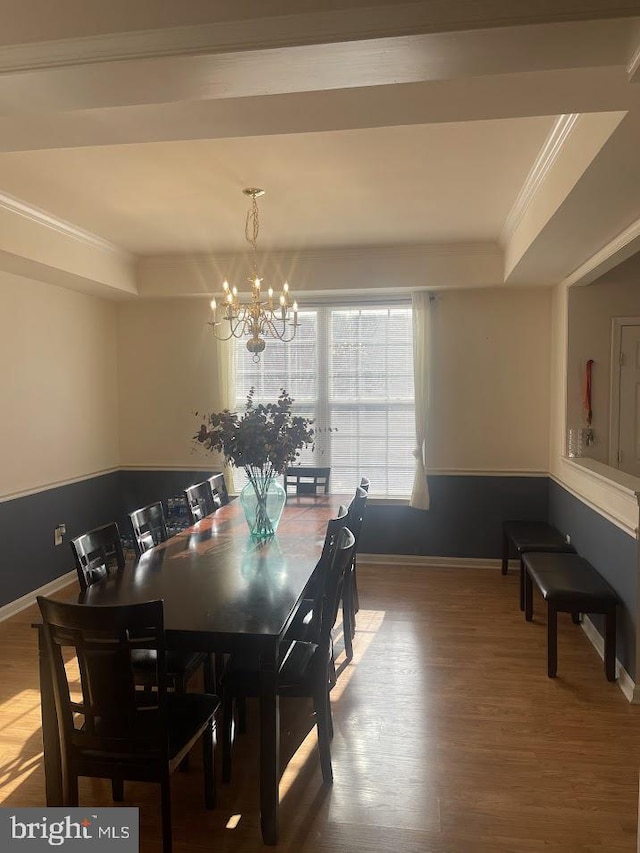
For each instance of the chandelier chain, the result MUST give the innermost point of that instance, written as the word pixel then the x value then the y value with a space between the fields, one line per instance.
pixel 252 223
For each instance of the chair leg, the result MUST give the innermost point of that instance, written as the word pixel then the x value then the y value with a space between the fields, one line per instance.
pixel 505 553
pixel 208 767
pixel 117 790
pixel 323 722
pixel 241 710
pixel 347 627
pixel 354 587
pixel 227 730
pixel 610 644
pixel 575 617
pixel 165 800
pixel 210 673
pixel 180 687
pixel 552 641
pixel 69 788
pixel 522 572
pixel 219 660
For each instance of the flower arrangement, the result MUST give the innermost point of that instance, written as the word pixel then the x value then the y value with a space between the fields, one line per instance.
pixel 264 439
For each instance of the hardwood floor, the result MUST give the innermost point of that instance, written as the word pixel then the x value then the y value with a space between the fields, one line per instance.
pixel 449 737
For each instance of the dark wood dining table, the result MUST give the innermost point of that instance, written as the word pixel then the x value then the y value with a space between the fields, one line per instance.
pixel 222 592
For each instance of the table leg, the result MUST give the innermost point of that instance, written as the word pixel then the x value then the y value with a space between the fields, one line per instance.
pixel 50 741
pixel 269 747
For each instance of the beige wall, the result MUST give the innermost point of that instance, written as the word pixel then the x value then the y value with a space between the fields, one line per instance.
pixel 490 395
pixel 167 373
pixel 89 385
pixel 490 392
pixel 58 385
pixel 591 310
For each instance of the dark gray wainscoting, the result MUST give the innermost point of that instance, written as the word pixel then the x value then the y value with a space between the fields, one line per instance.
pixel 139 488
pixel 30 559
pixel 464 520
pixel 614 554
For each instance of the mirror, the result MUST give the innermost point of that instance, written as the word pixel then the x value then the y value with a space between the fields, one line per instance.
pixel 604 328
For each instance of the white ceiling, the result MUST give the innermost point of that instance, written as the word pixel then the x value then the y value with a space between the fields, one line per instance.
pixel 419 123
pixel 444 183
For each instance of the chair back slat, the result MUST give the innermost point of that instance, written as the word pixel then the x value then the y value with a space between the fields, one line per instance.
pixel 199 501
pixel 307 481
pixel 149 527
pixel 97 554
pixel 218 490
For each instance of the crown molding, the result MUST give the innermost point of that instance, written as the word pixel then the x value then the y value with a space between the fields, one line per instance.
pixel 357 253
pixel 633 68
pixel 68 229
pixel 547 156
pixel 615 252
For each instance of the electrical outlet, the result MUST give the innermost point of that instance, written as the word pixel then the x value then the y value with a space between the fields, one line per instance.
pixel 58 534
pixel 568 538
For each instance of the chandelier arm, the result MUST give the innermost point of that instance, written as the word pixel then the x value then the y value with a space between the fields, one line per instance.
pixel 269 327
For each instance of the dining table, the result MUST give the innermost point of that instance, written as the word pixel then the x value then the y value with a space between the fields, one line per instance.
pixel 223 592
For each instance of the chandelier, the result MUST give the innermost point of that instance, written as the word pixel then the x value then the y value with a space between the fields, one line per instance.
pixel 259 317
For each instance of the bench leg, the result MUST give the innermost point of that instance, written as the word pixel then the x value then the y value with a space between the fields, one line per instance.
pixel 522 574
pixel 505 553
pixel 610 645
pixel 552 641
pixel 528 596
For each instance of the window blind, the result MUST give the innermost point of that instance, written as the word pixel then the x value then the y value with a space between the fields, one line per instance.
pixel 350 368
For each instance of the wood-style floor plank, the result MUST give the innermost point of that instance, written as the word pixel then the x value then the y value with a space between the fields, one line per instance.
pixel 449 737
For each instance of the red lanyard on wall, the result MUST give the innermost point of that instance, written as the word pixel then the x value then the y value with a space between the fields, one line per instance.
pixel 586 397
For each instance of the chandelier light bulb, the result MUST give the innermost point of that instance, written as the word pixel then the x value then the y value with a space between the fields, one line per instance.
pixel 254 318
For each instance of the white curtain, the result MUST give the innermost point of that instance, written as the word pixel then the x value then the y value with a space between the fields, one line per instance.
pixel 421 366
pixel 226 376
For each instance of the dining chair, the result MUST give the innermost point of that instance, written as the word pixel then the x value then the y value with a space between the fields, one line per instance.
pixel 149 527
pixel 305 668
pixel 199 501
pixel 350 599
pixel 98 554
pixel 304 626
pixel 111 730
pixel 219 489
pixel 307 481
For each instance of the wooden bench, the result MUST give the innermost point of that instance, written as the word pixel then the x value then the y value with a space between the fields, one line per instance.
pixel 525 536
pixel 570 584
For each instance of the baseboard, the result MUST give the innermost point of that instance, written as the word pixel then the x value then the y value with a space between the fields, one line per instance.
pixel 429 561
pixel 9 610
pixel 628 686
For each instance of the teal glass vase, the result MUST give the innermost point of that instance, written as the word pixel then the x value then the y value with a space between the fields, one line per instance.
pixel 262 500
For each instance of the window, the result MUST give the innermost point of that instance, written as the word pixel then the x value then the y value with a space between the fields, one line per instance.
pixel 351 370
